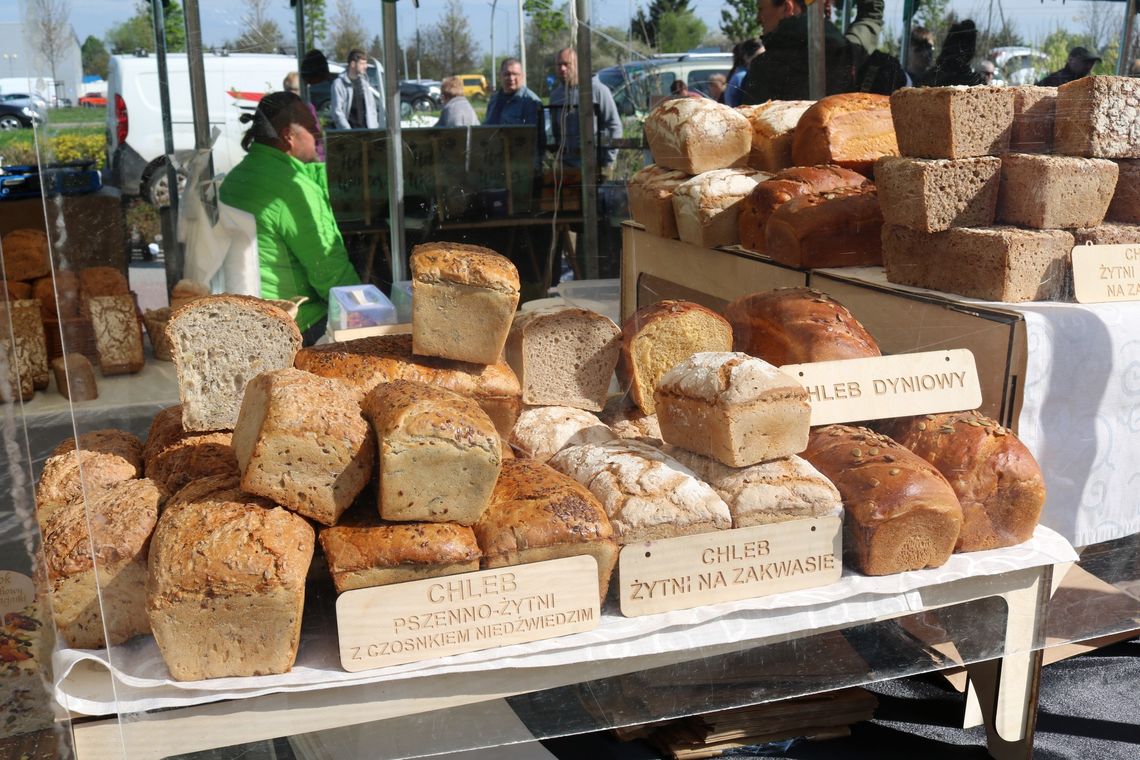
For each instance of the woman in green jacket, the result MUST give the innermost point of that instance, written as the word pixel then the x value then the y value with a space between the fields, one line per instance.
pixel 299 248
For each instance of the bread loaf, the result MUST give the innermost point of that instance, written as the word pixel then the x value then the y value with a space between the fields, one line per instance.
pixel 75 377
pixel 797 326
pixel 900 514
pixel 216 490
pixel 842 228
pixel 952 122
pixel 1108 234
pixel 58 294
pixel 660 335
pixel 996 479
pixel 118 335
pixel 14 384
pixel 696 135
pixel 102 281
pixel 365 552
pixel 563 356
pixel 185 291
pixel 102 459
pixel 218 344
pixel 439 453
pixel 1096 118
pixel 226 588
pixel 1125 206
pixel 193 456
pixel 646 494
pixel 365 363
pixel 732 407
pixel 773 125
pixel 543 431
pixel 1033 112
pixel 851 130
pixel 991 263
pixel 22 321
pixel 791 183
pixel 25 254
pixel 707 207
pixel 1054 192
pixel 538 514
pixel 931 195
pixel 165 429
pixel 768 492
pixel 650 193
pixel 95 554
pixel 301 441
pixel 463 299
pixel 627 421
pixel 11 290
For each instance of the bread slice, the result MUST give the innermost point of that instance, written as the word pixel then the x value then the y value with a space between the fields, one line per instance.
pixel 563 356
pixel 543 431
pixel 660 335
pixel 220 343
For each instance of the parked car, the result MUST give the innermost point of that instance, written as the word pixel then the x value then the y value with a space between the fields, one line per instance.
pixel 421 95
pixel 474 86
pixel 31 100
pixel 640 85
pixel 17 117
pixel 93 100
pixel 1018 65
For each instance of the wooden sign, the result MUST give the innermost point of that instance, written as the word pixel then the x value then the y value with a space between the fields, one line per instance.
pixel 16 591
pixel 728 565
pixel 422 620
pixel 850 390
pixel 1104 273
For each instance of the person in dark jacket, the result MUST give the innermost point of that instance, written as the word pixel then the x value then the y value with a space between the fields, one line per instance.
pixel 781 71
pixel 1080 64
pixel 953 64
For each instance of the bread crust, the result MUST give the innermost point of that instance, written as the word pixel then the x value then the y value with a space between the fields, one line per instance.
pixel 851 129
pixel 26 254
pixel 464 264
pixel 368 552
pixel 790 183
pixel 696 135
pixel 839 228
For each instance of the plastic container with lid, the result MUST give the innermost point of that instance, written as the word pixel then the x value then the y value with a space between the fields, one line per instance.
pixel 352 306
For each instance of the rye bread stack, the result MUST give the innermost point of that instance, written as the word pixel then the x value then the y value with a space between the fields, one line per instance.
pixel 996 185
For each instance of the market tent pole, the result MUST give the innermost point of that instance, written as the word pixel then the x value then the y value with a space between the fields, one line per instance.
pixel 588 144
pixel 197 70
pixel 817 61
pixel 522 38
pixel 168 217
pixel 1125 61
pixel 908 22
pixel 395 141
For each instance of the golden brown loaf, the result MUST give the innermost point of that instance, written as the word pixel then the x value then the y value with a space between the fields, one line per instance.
pixel 796 326
pixel 104 458
pixel 190 457
pixel 165 429
pixel 13 290
pixel 696 135
pixel 840 228
pixel 851 130
pixel 651 199
pixel 658 336
pixel 997 480
pixel 216 489
pixel 226 588
pixel 367 552
pixel 773 126
pixel 791 183
pixel 537 513
pixel 106 441
pixel 25 254
pixel 102 281
pixel 899 512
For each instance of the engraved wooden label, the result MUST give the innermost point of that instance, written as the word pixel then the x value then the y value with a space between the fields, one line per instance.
pixel 850 390
pixel 727 565
pixel 1106 273
pixel 422 620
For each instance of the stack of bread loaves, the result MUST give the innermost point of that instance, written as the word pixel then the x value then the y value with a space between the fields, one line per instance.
pixel 997 184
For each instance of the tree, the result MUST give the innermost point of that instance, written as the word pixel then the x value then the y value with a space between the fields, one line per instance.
pixel 547 31
pixel 96 59
pixel 259 33
pixel 376 48
pixel 679 31
pixel 644 24
pixel 316 25
pixel 448 47
pixel 137 32
pixel 739 21
pixel 50 22
pixel 347 31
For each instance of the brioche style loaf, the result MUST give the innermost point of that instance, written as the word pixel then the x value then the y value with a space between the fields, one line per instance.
pixel 851 130
pixel 769 195
pixel 841 228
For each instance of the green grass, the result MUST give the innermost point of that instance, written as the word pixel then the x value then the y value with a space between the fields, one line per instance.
pixel 77 115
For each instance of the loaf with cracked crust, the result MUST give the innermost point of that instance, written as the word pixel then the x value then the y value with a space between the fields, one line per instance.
pixel 102 459
pixel 537 513
pixel 899 514
pixel 650 193
pixel 439 454
pixel 1096 118
pixel 543 431
pixel 695 135
pixel 707 207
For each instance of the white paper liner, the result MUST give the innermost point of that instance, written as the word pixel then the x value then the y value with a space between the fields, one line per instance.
pixel 141 681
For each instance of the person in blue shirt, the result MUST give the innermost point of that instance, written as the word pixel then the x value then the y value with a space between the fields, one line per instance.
pixel 516 104
pixel 742 55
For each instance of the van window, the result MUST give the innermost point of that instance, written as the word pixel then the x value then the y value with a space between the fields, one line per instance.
pixel 699 79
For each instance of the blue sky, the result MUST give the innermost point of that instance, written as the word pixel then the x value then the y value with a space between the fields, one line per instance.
pixel 221 18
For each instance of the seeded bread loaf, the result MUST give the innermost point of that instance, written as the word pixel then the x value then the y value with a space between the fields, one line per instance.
pixel 216 489
pixel 439 454
pixel 563 356
pixel 218 344
pixel 952 122
pixel 1034 109
pixel 104 591
pixel 543 431
pixel 646 494
pixel 118 336
pixel 770 194
pixel 732 407
pixel 104 458
pixel 650 193
pixel 900 514
pixel 25 253
pixel 165 429
pixel 22 320
pixel 1109 234
pixel 658 336
pixel 1125 206
pixel 365 552
pixel 797 326
pixel 841 228
pixel 1054 192
pixel 1097 118
pixel 226 588
pixel 707 207
pixel 696 135
pixel 538 514
pixel 851 130
pixel 193 456
pixel 931 195
pixel 768 492
pixel 75 377
pixel 773 126
pixel 301 441
pixel 996 479
pixel 464 297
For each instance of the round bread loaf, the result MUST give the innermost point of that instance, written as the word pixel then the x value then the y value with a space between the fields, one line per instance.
pixel 26 254
pixel 796 326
